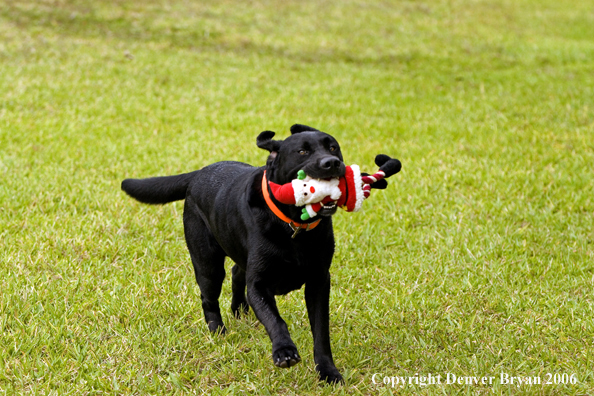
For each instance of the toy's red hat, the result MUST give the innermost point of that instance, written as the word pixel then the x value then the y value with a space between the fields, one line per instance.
pixel 351 187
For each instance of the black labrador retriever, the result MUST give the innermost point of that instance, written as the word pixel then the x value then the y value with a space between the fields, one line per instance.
pixel 226 213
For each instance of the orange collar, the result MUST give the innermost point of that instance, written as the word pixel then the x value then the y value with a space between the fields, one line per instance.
pixel 296 227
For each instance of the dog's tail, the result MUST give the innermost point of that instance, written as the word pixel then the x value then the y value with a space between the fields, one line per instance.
pixel 158 190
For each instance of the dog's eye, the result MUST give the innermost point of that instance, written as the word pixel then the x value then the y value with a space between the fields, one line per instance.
pixel 333 148
pixel 303 152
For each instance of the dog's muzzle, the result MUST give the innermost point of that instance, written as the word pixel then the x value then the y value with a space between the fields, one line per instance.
pixel 328 209
pixel 325 168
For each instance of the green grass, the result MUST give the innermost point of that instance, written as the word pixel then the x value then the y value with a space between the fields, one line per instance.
pixel 478 260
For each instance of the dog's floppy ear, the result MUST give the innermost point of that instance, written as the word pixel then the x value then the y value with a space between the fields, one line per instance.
pixel 297 128
pixel 264 141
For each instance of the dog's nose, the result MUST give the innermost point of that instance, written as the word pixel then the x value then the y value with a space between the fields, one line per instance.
pixel 330 163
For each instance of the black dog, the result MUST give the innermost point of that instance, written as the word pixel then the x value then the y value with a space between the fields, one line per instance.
pixel 226 214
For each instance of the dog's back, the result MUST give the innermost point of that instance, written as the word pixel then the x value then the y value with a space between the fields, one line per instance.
pixel 207 182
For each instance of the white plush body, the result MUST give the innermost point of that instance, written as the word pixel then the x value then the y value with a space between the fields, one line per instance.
pixel 309 191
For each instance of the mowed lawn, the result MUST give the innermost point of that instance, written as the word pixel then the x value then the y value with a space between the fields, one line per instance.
pixel 477 261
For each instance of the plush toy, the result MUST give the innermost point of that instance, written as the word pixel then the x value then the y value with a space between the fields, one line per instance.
pixel 388 167
pixel 347 192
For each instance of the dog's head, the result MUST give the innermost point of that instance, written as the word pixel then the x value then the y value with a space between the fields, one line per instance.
pixel 316 152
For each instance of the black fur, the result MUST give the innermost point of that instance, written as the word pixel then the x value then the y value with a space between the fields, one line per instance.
pixel 298 128
pixel 225 215
pixel 159 190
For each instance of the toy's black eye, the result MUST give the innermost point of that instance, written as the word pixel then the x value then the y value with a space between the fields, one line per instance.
pixel 333 149
pixel 303 152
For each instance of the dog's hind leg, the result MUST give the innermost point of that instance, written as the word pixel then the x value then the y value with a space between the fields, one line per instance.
pixel 208 259
pixel 239 303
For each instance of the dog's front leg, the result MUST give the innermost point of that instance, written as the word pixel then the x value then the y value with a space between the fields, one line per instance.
pixel 317 298
pixel 284 351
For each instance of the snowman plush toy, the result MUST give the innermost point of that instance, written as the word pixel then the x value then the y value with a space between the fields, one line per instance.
pixel 347 192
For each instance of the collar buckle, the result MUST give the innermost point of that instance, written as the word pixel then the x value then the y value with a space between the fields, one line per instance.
pixel 296 230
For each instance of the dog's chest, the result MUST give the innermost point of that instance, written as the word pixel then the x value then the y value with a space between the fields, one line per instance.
pixel 291 272
pixel 284 274
pixel 290 284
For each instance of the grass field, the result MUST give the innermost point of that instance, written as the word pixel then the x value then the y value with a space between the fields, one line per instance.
pixel 478 260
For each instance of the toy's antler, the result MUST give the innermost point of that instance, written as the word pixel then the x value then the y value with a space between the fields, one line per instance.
pixel 388 167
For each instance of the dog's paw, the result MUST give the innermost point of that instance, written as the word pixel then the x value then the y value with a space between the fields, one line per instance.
pixel 217 327
pixel 330 375
pixel 285 357
pixel 240 309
